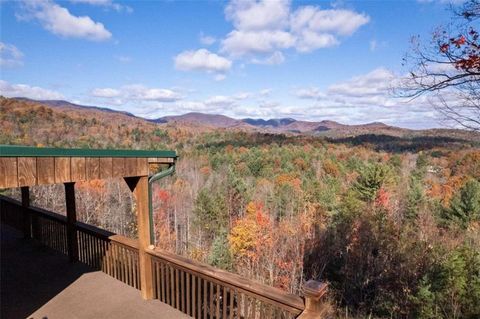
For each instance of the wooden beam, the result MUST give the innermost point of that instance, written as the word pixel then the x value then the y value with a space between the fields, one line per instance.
pixel 143 226
pixel 71 221
pixel 27 233
pixel 160 160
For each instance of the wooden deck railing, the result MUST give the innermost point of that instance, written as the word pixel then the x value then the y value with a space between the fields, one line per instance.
pixel 196 289
pixel 202 291
pixel 121 260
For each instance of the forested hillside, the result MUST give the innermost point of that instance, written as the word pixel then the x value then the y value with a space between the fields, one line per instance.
pixel 391 222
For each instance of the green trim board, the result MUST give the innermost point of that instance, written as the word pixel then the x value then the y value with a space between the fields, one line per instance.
pixel 28 151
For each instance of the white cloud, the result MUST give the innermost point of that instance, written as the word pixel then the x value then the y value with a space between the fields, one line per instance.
pixel 275 58
pixel 309 93
pixel 142 93
pixel 61 22
pixel 242 95
pixel 206 39
pixel 227 100
pixel 264 27
pixel 220 101
pixel 106 92
pixel 366 95
pixel 268 104
pixel 239 43
pixel 375 83
pixel 258 15
pixel 337 21
pixel 10 55
pixel 308 41
pixel 106 4
pixel 31 92
pixel 136 93
pixel 373 45
pixel 202 60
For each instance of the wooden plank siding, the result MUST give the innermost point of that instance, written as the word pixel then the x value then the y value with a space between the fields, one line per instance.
pixel 130 167
pixel 118 166
pixel 46 170
pixel 31 171
pixel 106 167
pixel 93 168
pixel 27 171
pixel 78 166
pixel 62 170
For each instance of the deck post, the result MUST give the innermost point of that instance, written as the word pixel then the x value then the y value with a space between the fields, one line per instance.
pixel 143 225
pixel 71 221
pixel 27 230
pixel 315 305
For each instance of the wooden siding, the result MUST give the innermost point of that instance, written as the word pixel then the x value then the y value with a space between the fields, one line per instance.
pixel 31 171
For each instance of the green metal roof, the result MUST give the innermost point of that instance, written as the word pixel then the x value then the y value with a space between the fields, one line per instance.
pixel 28 151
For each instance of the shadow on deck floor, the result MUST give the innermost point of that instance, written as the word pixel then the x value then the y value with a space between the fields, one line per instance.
pixel 39 283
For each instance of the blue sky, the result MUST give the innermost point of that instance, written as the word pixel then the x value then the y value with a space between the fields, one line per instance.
pixel 310 60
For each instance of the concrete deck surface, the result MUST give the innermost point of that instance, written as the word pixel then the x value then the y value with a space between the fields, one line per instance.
pixel 39 283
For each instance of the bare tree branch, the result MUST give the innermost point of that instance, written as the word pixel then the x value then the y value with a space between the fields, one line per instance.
pixel 447 68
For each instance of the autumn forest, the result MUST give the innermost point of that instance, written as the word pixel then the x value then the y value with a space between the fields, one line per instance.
pixel 388 216
pixel 394 230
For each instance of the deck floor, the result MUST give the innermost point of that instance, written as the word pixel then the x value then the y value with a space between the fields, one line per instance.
pixel 39 283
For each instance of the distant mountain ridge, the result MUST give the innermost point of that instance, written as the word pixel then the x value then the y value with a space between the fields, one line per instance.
pixel 66 104
pixel 270 122
pixel 214 120
pixel 274 125
pixel 220 121
pixel 205 122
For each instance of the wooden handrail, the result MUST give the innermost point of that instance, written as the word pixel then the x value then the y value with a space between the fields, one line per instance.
pixel 10 200
pixel 94 231
pixel 124 241
pixel 118 256
pixel 262 292
pixel 48 215
pixel 42 212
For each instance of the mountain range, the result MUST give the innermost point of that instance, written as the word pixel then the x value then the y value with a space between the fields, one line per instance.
pixel 281 125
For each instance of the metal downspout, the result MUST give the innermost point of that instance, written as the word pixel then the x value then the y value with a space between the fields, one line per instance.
pixel 169 171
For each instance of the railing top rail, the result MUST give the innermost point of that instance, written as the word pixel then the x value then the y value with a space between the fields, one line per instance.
pixel 43 212
pixel 94 231
pixel 10 200
pixel 289 301
pixel 124 241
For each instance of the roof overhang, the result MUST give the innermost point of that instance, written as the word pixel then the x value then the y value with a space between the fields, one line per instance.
pixel 28 166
